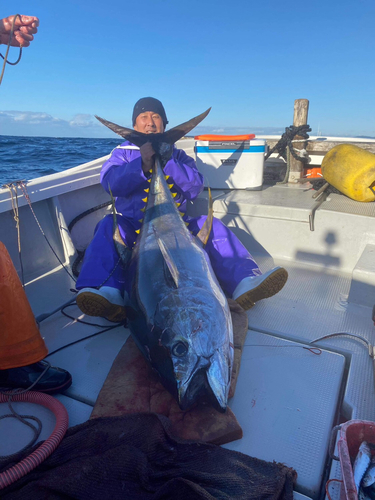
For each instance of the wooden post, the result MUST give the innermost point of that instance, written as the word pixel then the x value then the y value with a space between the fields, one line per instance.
pixel 301 109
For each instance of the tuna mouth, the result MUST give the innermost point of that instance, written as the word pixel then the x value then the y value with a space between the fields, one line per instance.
pixel 200 390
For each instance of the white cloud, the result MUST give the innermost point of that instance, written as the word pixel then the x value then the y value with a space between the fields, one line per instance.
pixel 34 123
pixel 82 120
pixel 29 117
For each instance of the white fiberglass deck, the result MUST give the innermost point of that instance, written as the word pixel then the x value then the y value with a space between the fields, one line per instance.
pixel 287 397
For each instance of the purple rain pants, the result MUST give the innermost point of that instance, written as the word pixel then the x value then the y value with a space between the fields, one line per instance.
pixel 230 260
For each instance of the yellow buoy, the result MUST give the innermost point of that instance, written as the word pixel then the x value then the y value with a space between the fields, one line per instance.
pixel 351 170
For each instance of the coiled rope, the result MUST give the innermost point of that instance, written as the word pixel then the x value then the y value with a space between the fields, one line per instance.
pixel 285 147
pixel 286 140
pixel 9 394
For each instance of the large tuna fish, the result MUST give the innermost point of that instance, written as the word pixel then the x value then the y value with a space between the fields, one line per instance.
pixel 179 316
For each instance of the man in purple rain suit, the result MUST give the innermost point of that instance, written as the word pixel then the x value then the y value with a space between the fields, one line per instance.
pixel 103 282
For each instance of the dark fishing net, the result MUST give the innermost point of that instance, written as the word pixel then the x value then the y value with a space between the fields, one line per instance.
pixel 136 457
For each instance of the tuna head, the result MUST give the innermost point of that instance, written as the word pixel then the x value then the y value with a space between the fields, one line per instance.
pixel 196 330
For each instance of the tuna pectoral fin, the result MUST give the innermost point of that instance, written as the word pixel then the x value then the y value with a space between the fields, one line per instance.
pixel 219 379
pixel 168 259
pixel 205 231
pixel 122 249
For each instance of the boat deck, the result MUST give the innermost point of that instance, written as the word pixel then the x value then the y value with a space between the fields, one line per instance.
pixel 288 397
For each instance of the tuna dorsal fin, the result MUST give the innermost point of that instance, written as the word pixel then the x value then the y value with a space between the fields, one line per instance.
pixel 170 137
pixel 168 259
pixel 205 231
pixel 123 250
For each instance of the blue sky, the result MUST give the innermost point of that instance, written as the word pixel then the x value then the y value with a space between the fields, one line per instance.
pixel 248 60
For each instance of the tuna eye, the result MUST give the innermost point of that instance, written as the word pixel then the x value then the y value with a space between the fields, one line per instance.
pixel 179 349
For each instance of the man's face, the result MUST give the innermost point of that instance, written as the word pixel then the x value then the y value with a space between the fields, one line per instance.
pixel 149 123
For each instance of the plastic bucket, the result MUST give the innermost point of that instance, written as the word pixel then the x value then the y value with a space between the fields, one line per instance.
pixel 352 434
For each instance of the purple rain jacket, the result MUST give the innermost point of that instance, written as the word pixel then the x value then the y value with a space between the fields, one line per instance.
pixel 123 172
pixel 230 260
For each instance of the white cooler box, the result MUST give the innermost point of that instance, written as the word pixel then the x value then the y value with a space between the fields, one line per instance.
pixel 231 161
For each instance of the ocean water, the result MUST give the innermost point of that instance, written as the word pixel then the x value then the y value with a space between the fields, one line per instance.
pixel 25 158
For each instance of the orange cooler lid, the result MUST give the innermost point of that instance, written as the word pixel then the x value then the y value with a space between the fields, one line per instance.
pixel 213 137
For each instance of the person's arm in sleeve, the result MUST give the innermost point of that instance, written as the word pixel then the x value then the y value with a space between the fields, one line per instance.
pixel 123 172
pixel 187 180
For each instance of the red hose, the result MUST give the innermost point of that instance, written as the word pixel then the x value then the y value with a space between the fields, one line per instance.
pixel 44 451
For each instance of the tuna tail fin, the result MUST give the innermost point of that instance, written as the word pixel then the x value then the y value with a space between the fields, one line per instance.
pixel 205 231
pixel 168 259
pixel 169 137
pixel 127 133
pixel 176 133
pixel 123 250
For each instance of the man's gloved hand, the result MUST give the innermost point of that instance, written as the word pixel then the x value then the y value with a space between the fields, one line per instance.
pixel 148 157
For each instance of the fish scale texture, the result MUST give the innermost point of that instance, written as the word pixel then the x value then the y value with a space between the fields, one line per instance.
pixel 136 457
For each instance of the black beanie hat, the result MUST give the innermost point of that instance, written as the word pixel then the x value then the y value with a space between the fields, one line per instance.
pixel 149 104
